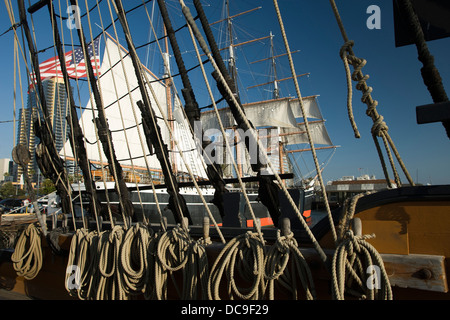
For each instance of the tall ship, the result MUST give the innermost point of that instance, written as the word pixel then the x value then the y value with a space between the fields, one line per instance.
pixel 279 119
pixel 171 187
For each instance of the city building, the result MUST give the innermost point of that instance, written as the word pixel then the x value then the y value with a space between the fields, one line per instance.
pixel 4 169
pixel 56 100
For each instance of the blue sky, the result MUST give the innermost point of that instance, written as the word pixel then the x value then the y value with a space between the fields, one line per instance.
pixel 311 28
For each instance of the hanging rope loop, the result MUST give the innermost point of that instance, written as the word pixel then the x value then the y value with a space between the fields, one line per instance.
pixel 134 259
pixel 358 269
pixel 244 254
pixel 27 257
pixel 285 265
pixel 177 251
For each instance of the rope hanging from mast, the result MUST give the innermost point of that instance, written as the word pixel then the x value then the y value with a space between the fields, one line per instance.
pixel 430 73
pixel 379 128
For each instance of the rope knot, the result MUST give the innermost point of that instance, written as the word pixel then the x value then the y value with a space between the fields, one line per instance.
pixel 283 242
pixel 379 126
pixel 345 49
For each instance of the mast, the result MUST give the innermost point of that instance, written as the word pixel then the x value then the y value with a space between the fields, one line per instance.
pixel 168 82
pixel 231 60
pixel 104 133
pixel 268 190
pixel 276 92
pixel 177 204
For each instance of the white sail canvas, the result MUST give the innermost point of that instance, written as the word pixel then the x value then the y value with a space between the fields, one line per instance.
pixel 120 92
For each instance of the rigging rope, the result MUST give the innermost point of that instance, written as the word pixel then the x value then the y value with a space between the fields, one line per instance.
pixel 204 47
pixel 176 250
pixel 27 257
pixel 311 143
pixel 243 256
pixel 354 259
pixel 283 251
pixel 379 128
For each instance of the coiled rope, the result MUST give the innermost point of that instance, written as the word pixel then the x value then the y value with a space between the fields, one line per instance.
pixel 110 285
pixel 134 259
pixel 355 260
pixel 244 254
pixel 83 260
pixel 353 264
pixel 27 257
pixel 176 250
pixel 283 251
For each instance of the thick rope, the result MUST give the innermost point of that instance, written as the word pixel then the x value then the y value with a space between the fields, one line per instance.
pixel 110 283
pixel 283 251
pixel 244 254
pixel 353 263
pixel 308 132
pixel 348 212
pixel 134 259
pixel 355 259
pixel 176 251
pixel 430 74
pixel 379 128
pixel 27 257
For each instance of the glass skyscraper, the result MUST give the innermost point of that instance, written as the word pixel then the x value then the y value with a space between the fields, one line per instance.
pixel 56 100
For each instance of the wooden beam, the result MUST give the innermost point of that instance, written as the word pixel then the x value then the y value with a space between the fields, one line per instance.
pixel 280 80
pixel 416 271
pixel 236 15
pixel 277 56
pixel 309 149
pixel 430 113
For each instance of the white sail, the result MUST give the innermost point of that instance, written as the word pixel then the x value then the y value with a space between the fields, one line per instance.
pixel 274 113
pixel 120 92
pixel 183 135
pixel 319 134
pixel 309 104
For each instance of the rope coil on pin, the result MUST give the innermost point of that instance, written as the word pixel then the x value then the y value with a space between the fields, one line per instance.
pixel 279 271
pixel 176 251
pixel 357 267
pixel 244 254
pixel 134 259
pixel 27 257
pixel 110 283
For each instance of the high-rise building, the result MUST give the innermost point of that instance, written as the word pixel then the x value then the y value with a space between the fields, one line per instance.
pixel 56 100
pixel 4 168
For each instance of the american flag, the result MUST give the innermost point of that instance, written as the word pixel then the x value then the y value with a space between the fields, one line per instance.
pixel 75 63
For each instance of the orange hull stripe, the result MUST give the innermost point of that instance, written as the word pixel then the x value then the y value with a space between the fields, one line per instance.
pixel 264 222
pixel 307 213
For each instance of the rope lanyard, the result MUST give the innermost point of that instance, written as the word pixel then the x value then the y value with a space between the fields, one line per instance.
pixel 379 128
